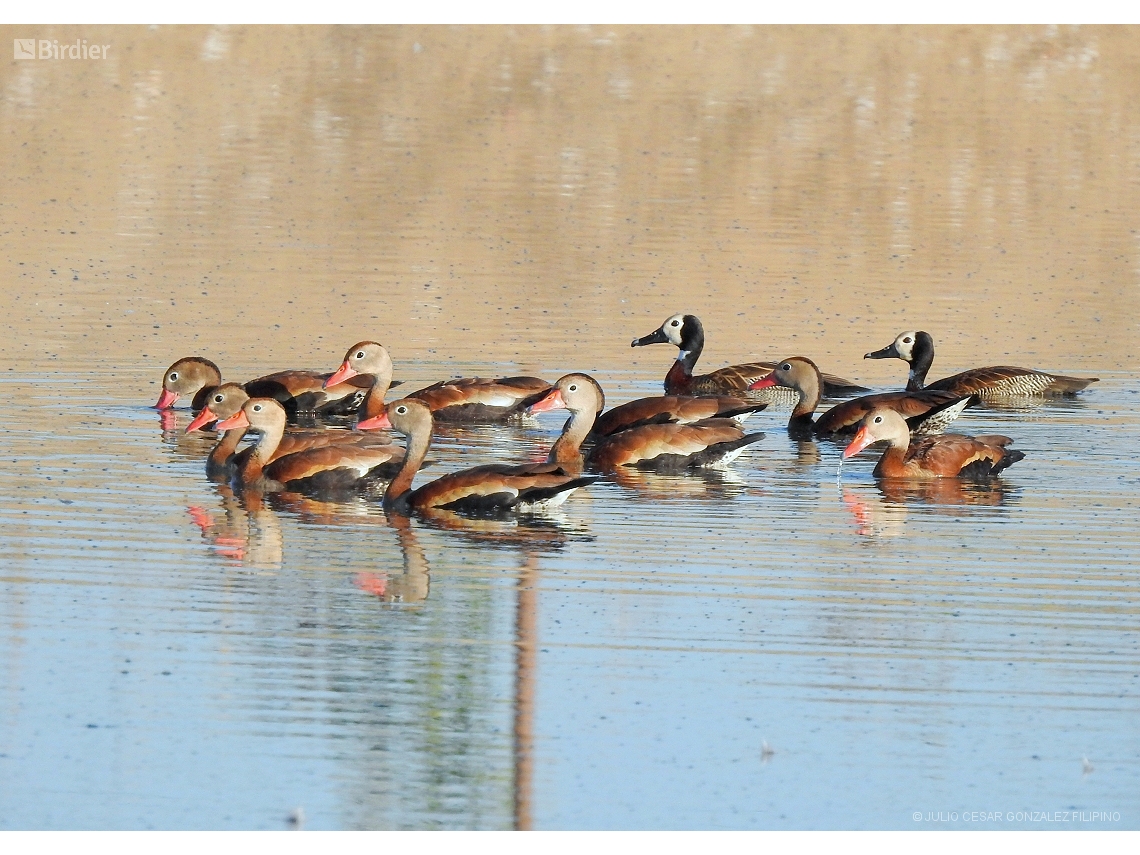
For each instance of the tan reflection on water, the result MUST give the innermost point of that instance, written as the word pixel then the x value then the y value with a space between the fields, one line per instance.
pixel 533 195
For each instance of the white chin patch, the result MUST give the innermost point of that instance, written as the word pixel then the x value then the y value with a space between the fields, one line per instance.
pixel 681 355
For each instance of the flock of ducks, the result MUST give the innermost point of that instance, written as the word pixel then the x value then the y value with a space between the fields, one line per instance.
pixel 697 423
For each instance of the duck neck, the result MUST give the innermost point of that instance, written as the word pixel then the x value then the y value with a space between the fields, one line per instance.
pixel 567 449
pixel 680 376
pixel 225 447
pixel 396 494
pixel 262 452
pixel 921 358
pixel 374 400
pixel 810 386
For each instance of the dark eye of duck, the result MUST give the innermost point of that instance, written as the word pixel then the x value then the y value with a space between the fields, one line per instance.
pixel 360 354
pixel 675 323
pixel 219 398
pixel 573 387
pixel 878 419
pixel 787 366
pixel 906 340
pixel 173 376
pixel 257 408
pixel 401 410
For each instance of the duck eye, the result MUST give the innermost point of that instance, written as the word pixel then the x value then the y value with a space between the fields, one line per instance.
pixel 401 410
pixel 787 366
pixel 675 323
pixel 878 419
pixel 573 387
pixel 173 376
pixel 219 398
pixel 360 354
pixel 906 340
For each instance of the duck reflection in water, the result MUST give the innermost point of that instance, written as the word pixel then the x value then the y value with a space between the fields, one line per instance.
pixel 409 586
pixel 886 515
pixel 245 532
pixel 697 485
pixel 412 585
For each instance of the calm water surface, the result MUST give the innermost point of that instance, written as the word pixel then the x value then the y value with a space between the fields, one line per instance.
pixel 770 646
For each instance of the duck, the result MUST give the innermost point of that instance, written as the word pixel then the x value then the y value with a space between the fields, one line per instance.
pixel 916 348
pixel 324 469
pixel 227 400
pixel 687 333
pixel 928 411
pixel 489 489
pixel 668 446
pixel 946 455
pixel 463 399
pixel 297 391
pixel 673 409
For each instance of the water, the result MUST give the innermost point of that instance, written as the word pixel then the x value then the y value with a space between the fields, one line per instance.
pixel 764 647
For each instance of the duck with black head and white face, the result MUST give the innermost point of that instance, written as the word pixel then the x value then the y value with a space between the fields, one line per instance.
pixel 916 348
pixel 687 334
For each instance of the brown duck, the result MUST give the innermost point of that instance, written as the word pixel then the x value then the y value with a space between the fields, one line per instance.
pixel 324 469
pixel 927 411
pixel 489 489
pixel 662 446
pixel 297 391
pixel 943 456
pixel 464 399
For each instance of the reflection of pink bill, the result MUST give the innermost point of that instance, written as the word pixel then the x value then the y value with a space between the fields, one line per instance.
pixel 23 48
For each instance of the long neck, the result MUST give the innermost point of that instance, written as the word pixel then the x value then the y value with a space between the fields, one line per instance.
pixel 401 485
pixel 383 381
pixel 567 448
pixel 810 386
pixel 691 347
pixel 225 447
pixel 922 357
pixel 374 401
pixel 262 452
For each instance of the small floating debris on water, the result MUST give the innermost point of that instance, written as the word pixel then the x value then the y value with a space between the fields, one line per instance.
pixel 1087 768
pixel 296 818
pixel 767 752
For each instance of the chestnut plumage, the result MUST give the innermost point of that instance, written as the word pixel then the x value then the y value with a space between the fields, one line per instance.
pixel 326 468
pixel 941 456
pixel 928 411
pixel 664 446
pixel 492 488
